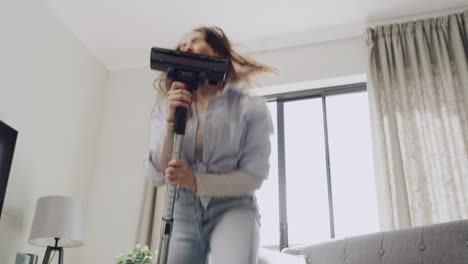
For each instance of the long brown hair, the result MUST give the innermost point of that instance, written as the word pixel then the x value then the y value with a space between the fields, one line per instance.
pixel 240 68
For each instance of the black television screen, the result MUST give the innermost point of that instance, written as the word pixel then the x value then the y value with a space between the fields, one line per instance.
pixel 7 147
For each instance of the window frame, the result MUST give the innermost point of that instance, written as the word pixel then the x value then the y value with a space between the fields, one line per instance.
pixel 280 99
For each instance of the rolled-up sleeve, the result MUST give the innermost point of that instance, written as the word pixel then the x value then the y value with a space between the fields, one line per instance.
pixel 156 176
pixel 160 146
pixel 257 147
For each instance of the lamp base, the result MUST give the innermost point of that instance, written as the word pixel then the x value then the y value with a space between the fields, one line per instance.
pixel 49 251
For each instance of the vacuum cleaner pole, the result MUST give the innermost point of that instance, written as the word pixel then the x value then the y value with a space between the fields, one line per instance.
pixel 191 69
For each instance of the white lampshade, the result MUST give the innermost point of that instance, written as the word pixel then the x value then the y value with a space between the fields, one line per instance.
pixel 58 216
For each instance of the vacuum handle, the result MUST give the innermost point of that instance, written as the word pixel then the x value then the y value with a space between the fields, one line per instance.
pixel 181 113
pixel 180 120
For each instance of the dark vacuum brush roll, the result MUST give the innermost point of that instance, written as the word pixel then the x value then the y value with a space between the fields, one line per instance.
pixel 199 67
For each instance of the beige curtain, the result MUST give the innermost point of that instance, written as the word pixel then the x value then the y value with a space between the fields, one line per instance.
pixel 149 223
pixel 152 205
pixel 418 92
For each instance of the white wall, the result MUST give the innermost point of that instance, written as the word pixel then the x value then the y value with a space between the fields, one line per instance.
pixel 51 91
pixel 116 192
pixel 118 184
pixel 321 61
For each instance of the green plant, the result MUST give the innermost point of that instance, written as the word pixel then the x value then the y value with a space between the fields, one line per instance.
pixel 138 255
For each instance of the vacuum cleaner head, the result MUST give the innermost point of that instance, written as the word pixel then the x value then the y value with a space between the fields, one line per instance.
pixel 182 65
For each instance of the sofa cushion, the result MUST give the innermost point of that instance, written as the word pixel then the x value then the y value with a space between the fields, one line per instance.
pixel 445 243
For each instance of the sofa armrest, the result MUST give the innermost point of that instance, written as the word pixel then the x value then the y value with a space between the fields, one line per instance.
pixel 266 256
pixel 329 252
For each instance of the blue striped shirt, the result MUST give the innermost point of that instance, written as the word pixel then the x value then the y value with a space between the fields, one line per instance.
pixel 236 136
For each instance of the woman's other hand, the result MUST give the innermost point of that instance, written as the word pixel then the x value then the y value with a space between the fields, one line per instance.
pixel 178 96
pixel 178 172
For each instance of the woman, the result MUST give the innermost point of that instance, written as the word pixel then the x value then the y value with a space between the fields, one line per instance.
pixel 225 156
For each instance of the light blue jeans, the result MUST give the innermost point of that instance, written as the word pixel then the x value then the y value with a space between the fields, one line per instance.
pixel 228 229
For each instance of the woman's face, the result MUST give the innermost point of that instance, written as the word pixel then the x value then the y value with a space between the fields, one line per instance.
pixel 194 42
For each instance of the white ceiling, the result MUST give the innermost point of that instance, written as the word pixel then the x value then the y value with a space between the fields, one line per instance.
pixel 120 33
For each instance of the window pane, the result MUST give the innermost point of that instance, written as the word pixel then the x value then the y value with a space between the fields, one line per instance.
pixel 267 196
pixel 352 172
pixel 306 180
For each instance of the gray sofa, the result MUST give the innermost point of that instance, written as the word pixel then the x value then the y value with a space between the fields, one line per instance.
pixel 445 243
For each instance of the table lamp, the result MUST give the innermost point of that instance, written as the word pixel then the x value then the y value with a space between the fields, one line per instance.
pixel 58 223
